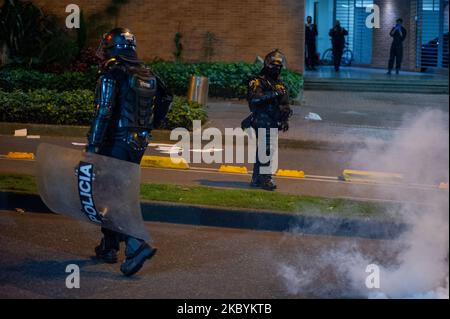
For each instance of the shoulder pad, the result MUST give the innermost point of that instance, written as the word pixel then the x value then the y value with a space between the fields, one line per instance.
pixel 112 64
pixel 147 70
pixel 254 83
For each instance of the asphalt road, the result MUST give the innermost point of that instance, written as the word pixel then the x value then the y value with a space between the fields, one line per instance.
pixel 321 166
pixel 316 162
pixel 192 262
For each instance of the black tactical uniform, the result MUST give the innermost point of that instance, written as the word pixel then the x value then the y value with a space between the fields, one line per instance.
pixel 130 101
pixel 269 103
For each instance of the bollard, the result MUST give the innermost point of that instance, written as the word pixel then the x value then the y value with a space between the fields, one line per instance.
pixel 198 90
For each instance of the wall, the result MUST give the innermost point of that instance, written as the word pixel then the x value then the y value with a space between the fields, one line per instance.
pixel 324 21
pixel 244 29
pixel 391 10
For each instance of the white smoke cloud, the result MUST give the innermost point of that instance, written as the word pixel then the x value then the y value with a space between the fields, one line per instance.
pixel 419 267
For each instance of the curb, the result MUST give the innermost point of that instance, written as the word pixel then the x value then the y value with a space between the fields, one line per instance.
pixel 233 169
pixel 235 218
pixel 164 162
pixel 20 155
pixel 371 176
pixel 290 173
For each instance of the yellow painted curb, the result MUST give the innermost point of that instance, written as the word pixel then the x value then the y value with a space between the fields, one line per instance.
pixel 443 186
pixel 164 162
pixel 290 173
pixel 233 169
pixel 20 155
pixel 370 176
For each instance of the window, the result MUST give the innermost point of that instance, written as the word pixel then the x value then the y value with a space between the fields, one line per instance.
pixel 352 15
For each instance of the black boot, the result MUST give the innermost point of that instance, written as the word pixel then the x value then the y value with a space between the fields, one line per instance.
pixel 107 250
pixel 267 183
pixel 137 252
pixel 256 178
pixel 256 181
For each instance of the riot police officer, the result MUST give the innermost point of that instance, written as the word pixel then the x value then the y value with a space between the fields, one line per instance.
pixel 269 103
pixel 129 102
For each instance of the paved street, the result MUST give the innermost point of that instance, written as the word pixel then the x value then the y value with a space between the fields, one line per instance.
pixel 192 262
pixel 346 116
pixel 212 262
pixel 323 168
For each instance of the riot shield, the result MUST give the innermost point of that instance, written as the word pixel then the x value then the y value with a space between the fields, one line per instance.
pixel 90 187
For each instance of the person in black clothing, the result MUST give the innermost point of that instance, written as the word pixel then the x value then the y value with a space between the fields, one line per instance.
pixel 398 33
pixel 268 101
pixel 337 35
pixel 310 43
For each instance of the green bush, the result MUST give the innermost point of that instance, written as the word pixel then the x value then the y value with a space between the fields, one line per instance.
pixel 227 80
pixel 76 108
pixel 20 79
pixel 184 112
pixel 47 107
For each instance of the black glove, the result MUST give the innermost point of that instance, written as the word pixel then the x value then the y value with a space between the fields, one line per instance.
pixel 284 126
pixel 284 99
pixel 283 95
pixel 285 113
pixel 247 122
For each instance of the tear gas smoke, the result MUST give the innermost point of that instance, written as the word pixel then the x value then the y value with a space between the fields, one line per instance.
pixel 418 266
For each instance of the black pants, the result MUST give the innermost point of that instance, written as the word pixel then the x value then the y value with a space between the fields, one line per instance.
pixel 267 149
pixel 311 54
pixel 121 151
pixel 337 57
pixel 396 56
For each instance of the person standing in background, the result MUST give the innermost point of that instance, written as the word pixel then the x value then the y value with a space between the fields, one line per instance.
pixel 310 44
pixel 398 33
pixel 268 100
pixel 337 35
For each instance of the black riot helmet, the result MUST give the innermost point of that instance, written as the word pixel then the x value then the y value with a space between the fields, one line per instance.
pixel 274 62
pixel 118 42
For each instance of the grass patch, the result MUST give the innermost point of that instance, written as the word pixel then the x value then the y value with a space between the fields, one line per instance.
pixel 256 199
pixel 18 183
pixel 234 198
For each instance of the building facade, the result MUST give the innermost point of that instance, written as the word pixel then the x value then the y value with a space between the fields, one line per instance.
pixel 240 30
pixel 426 21
pixel 236 30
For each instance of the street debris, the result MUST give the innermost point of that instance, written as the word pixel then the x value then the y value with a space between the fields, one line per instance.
pixel 21 133
pixel 313 117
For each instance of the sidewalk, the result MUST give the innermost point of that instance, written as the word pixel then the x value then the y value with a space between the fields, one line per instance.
pixel 357 79
pixel 370 74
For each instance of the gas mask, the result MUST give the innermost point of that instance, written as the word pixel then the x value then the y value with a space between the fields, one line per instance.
pixel 274 62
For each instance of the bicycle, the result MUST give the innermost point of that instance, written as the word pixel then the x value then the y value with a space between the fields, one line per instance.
pixel 347 57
